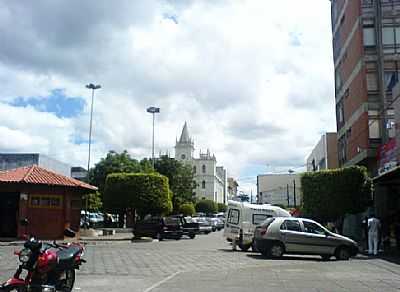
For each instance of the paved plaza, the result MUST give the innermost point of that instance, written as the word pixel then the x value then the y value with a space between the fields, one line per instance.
pixel 208 264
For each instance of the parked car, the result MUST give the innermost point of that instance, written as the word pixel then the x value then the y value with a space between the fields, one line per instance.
pixel 189 226
pixel 158 227
pixel 276 236
pixel 216 221
pixel 91 219
pixel 204 225
pixel 242 219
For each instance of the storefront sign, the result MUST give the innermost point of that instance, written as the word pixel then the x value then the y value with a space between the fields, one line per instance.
pixel 387 156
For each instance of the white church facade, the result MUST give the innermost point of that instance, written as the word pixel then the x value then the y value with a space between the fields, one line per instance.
pixel 211 180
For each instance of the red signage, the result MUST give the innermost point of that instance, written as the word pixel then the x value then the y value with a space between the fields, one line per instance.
pixel 387 156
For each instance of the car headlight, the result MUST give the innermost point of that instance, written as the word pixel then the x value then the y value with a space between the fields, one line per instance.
pixel 25 255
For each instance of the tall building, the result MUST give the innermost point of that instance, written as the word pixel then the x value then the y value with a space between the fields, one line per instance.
pixel 15 160
pixel 324 154
pixel 211 180
pixel 366 44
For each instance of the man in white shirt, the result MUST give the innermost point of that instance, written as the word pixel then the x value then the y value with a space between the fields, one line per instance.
pixel 374 226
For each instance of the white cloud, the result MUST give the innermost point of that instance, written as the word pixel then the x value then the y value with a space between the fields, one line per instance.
pixel 253 79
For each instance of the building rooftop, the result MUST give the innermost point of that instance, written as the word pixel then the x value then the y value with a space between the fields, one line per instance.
pixel 40 176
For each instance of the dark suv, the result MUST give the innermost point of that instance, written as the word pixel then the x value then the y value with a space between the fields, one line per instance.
pixel 189 226
pixel 158 228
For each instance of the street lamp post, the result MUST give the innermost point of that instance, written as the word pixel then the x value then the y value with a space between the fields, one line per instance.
pixel 93 88
pixel 153 110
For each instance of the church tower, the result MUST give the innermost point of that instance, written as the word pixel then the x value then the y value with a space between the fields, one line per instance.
pixel 184 148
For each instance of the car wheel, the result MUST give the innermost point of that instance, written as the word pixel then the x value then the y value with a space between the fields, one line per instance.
pixel 254 247
pixel 159 236
pixel 342 254
pixel 325 257
pixel 264 252
pixel 276 250
pixel 244 247
pixel 192 236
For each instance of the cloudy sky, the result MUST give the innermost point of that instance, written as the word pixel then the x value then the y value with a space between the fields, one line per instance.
pixel 253 79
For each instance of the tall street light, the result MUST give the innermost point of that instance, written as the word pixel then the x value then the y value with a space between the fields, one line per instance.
pixel 153 110
pixel 93 88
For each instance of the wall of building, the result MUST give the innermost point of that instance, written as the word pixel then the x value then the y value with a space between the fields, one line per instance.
pixel 272 189
pixel 54 165
pixel 331 141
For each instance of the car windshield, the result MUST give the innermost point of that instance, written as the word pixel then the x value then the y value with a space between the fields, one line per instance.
pixel 172 220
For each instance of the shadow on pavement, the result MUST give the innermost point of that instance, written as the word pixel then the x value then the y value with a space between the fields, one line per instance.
pixel 289 258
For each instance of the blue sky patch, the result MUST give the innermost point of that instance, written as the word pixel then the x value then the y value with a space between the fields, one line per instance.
pixel 57 103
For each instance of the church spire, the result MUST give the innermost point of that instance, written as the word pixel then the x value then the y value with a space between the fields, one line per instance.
pixel 185 138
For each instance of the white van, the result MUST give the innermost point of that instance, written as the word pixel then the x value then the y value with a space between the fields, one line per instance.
pixel 242 219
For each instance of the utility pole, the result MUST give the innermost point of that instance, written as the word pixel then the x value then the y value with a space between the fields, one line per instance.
pixel 287 195
pixel 92 87
pixel 153 110
pixel 294 193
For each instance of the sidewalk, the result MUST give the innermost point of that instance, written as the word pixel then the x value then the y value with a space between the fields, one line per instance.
pixel 123 236
pixel 120 235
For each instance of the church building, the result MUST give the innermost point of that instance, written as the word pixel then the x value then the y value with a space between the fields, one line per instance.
pixel 211 179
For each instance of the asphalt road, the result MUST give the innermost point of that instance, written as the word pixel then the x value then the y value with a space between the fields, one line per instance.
pixel 208 264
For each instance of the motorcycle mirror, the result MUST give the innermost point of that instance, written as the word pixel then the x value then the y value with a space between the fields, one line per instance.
pixel 24 222
pixel 69 232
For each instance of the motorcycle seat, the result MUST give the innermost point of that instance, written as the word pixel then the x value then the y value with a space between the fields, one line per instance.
pixel 66 257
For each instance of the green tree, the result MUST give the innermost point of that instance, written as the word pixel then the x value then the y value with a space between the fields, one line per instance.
pixel 181 179
pixel 147 193
pixel 146 165
pixel 113 163
pixel 329 195
pixel 187 209
pixel 94 201
pixel 206 206
pixel 221 207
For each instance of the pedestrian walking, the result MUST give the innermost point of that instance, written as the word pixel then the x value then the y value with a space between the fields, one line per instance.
pixel 374 226
pixel 364 225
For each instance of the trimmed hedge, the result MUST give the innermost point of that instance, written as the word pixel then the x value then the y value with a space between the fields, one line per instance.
pixel 330 194
pixel 222 207
pixel 148 193
pixel 187 209
pixel 206 206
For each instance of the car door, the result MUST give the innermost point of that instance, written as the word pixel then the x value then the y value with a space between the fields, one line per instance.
pixel 316 240
pixel 292 236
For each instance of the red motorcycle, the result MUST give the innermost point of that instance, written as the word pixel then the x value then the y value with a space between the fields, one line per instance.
pixel 49 267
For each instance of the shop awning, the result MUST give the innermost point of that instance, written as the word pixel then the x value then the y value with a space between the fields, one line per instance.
pixel 391 177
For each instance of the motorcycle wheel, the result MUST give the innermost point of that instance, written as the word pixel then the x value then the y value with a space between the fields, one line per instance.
pixel 13 289
pixel 68 283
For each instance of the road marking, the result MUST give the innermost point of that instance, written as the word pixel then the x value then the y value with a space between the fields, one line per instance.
pixel 161 282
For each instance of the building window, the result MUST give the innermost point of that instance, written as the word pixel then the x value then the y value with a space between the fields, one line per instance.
pixel 374 132
pixel 183 156
pixel 369 36
pixel 391 79
pixel 203 168
pixel 194 169
pixel 46 201
pixel 388 35
pixel 203 184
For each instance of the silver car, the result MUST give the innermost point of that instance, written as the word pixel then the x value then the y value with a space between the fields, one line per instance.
pixel 276 236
